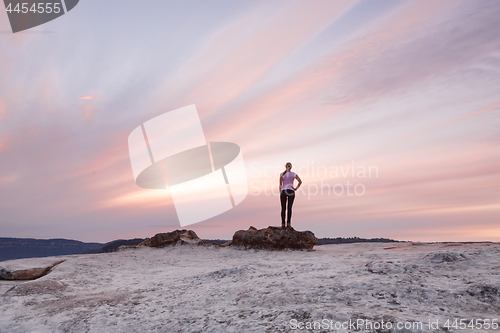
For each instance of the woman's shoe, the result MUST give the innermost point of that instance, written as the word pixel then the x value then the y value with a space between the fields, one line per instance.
pixel 283 225
pixel 288 225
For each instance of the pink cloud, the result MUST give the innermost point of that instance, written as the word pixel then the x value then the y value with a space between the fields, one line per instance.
pixel 78 175
pixel 480 111
pixel 3 109
pixel 313 80
pixel 89 112
pixel 5 142
pixel 90 97
pixel 469 115
pixel 240 60
pixel 89 109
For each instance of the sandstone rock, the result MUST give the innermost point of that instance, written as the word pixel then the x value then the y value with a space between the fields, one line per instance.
pixel 39 287
pixel 274 238
pixel 180 237
pixel 25 274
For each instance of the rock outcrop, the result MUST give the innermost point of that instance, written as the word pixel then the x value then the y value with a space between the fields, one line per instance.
pixel 274 238
pixel 26 274
pixel 176 237
pixel 271 238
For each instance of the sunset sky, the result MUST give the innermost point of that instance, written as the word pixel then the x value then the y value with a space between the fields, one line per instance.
pixel 408 88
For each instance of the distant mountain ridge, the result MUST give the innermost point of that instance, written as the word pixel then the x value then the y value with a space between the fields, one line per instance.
pixel 342 240
pixel 19 248
pixel 114 245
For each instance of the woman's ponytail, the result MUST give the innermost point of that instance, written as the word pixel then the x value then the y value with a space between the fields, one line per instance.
pixel 286 169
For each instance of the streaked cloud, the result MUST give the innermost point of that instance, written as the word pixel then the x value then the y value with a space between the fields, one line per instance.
pixel 90 97
pixel 410 87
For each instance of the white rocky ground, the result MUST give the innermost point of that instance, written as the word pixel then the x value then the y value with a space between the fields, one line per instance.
pixel 198 289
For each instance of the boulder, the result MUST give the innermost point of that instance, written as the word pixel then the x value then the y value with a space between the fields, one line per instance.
pixel 274 238
pixel 175 237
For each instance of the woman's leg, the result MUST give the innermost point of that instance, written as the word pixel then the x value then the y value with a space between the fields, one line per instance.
pixel 283 206
pixel 290 203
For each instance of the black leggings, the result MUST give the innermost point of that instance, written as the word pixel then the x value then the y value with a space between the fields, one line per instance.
pixel 283 199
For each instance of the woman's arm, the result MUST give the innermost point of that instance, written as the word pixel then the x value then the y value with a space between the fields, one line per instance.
pixel 281 181
pixel 300 182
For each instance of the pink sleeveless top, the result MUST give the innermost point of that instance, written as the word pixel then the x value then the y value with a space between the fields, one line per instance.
pixel 288 180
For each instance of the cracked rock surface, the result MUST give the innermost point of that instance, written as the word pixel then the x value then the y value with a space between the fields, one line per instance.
pixel 192 288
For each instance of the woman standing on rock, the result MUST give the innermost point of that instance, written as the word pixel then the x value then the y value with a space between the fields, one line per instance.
pixel 287 193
